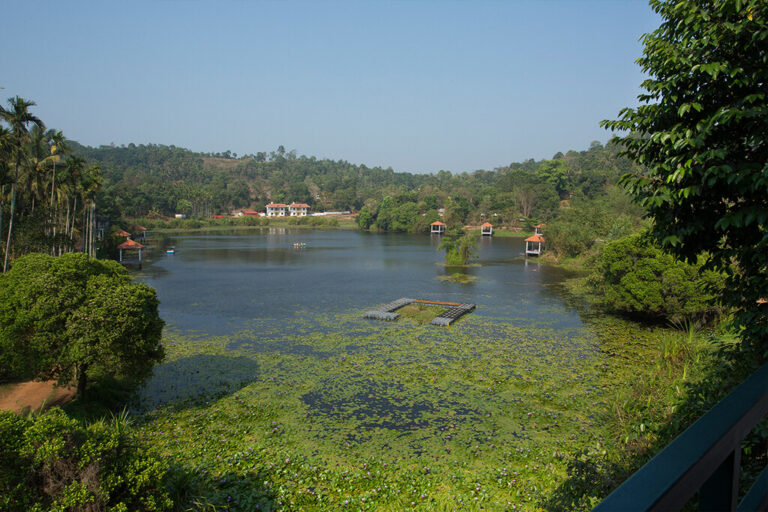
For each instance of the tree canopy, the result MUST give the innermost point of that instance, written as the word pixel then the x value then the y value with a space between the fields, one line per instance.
pixel 701 136
pixel 639 279
pixel 72 316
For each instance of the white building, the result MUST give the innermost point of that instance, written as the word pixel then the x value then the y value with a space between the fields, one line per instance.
pixel 276 209
pixel 298 209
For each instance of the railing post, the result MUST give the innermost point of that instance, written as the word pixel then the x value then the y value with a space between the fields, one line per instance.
pixel 721 491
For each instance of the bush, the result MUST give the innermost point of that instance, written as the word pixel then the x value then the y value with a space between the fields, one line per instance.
pixel 639 279
pixel 52 462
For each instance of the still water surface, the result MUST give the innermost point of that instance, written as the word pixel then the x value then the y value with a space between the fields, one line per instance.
pixel 218 281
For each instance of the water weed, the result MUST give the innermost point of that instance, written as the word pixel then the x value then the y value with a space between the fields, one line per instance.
pixel 345 413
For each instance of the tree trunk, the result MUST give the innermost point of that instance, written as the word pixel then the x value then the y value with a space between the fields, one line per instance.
pixel 53 182
pixel 66 226
pixel 82 380
pixel 10 228
pixel 2 195
pixel 93 230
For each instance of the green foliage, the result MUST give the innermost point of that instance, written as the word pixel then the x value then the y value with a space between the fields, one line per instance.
pixel 52 462
pixel 459 247
pixel 457 210
pixel 575 230
pixel 702 134
pixel 70 316
pixel 639 279
pixel 366 219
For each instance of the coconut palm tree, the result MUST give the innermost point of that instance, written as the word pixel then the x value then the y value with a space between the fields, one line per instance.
pixel 18 117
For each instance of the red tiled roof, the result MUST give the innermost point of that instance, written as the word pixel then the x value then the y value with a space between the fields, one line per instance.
pixel 487 225
pixel 141 228
pixel 250 212
pixel 130 244
pixel 122 232
pixel 437 223
pixel 540 226
pixel 535 238
pixel 277 205
pixel 299 205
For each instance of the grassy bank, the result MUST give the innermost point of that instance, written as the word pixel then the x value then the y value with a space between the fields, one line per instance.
pixel 503 233
pixel 163 225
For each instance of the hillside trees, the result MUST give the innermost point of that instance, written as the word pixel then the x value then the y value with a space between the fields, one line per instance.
pixel 702 133
pixel 70 317
pixel 153 177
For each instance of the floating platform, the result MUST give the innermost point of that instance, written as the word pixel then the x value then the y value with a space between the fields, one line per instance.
pixel 387 311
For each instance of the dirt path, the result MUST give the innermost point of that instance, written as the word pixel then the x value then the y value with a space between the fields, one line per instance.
pixel 31 395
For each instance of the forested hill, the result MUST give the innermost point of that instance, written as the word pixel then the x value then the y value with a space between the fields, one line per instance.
pixel 139 179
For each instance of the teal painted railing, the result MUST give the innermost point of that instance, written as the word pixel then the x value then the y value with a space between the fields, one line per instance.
pixel 705 459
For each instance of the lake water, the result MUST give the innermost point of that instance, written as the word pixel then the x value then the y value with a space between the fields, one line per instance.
pixel 217 282
pixel 270 361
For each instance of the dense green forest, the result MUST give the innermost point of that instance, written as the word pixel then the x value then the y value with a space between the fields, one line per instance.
pixel 146 179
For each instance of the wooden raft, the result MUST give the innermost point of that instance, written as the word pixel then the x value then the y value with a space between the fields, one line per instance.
pixel 387 311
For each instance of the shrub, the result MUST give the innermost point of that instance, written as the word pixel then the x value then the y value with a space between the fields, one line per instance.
pixel 53 462
pixel 639 279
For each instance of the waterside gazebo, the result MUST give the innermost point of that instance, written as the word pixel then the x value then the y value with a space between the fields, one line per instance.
pixel 122 232
pixel 142 232
pixel 438 228
pixel 486 229
pixel 538 229
pixel 130 245
pixel 534 245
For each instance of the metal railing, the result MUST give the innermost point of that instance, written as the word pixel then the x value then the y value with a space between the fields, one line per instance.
pixel 705 458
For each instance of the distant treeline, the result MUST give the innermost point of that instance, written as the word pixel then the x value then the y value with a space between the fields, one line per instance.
pixel 140 180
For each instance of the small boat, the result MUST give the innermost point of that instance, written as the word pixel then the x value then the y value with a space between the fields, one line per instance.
pixel 170 251
pixel 299 245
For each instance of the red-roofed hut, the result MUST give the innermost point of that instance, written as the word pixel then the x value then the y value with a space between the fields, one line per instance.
pixel 538 229
pixel 486 229
pixel 438 228
pixel 130 245
pixel 534 245
pixel 142 232
pixel 122 232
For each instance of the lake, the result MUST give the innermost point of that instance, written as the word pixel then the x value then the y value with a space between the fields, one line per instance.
pixel 277 390
pixel 217 283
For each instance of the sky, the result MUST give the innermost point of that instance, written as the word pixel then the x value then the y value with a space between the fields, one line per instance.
pixel 419 86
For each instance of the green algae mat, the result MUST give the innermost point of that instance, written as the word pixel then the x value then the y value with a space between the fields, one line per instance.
pixel 344 413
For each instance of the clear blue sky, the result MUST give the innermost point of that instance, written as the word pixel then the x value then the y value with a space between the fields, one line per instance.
pixel 418 86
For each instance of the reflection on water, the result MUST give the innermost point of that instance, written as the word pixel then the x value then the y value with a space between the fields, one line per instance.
pixel 216 282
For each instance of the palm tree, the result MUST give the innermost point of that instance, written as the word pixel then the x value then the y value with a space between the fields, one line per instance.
pixel 73 186
pixel 58 147
pixel 37 153
pixel 18 117
pixel 5 168
pixel 91 184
